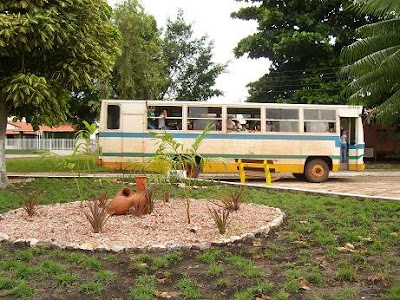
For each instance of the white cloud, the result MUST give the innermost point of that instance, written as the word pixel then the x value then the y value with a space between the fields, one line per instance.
pixel 212 17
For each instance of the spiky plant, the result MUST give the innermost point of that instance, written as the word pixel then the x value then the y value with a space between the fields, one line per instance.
pixel 374 61
pixel 96 213
pixel 221 218
pixel 30 204
pixel 231 200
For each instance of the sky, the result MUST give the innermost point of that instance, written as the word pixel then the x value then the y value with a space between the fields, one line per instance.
pixel 212 18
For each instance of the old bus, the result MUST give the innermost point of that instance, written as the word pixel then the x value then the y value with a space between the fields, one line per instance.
pixel 300 139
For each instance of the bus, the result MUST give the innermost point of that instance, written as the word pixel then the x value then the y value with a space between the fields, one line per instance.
pixel 301 139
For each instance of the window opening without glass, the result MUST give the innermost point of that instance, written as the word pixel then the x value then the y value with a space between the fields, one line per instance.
pixel 113 116
pixel 198 117
pixel 243 119
pixel 164 117
pixel 282 120
pixel 320 120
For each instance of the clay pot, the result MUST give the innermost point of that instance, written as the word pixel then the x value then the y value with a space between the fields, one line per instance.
pixel 140 183
pixel 121 203
pixel 125 199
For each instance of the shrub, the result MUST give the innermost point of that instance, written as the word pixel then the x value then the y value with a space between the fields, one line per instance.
pixel 231 200
pixel 97 214
pixel 221 219
pixel 30 204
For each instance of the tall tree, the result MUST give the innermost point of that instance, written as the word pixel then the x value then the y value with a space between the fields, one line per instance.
pixel 191 71
pixel 374 62
pixel 47 48
pixel 139 71
pixel 303 40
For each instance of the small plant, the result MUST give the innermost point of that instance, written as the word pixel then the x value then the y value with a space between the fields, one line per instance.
pixel 215 269
pixel 209 256
pixel 66 279
pixel 49 268
pixel 105 276
pixel 231 200
pixel 221 219
pixel 97 214
pixel 30 204
pixel 92 262
pixel 346 273
pixel 92 288
pixel 188 288
pixel 145 288
pixel 24 291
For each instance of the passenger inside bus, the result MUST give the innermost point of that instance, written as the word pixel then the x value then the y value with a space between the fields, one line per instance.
pixel 161 120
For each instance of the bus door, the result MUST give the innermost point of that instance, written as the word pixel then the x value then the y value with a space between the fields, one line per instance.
pixel 133 124
pixel 348 142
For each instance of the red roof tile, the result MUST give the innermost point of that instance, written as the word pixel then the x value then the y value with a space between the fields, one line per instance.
pixel 27 128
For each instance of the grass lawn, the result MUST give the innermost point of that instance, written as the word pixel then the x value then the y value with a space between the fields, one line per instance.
pixel 67 164
pixel 301 260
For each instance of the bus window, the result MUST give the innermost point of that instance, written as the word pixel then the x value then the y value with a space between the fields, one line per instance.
pixel 244 119
pixel 164 117
pixel 282 120
pixel 113 116
pixel 198 117
pixel 320 120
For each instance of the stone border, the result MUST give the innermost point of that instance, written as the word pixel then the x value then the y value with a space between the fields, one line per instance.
pixel 225 241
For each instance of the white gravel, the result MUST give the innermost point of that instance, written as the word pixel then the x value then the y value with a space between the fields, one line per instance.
pixel 65 223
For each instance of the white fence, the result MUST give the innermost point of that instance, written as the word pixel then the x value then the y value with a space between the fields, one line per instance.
pixel 39 144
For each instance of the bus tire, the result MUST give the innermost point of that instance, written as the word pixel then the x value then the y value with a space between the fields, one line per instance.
pixel 298 176
pixel 317 170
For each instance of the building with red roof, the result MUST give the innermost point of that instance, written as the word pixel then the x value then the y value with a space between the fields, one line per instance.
pixel 25 130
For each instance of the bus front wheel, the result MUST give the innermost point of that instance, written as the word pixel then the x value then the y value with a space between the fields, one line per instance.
pixel 317 170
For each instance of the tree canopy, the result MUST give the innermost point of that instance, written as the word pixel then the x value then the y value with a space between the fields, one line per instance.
pixel 191 72
pixel 303 40
pixel 47 48
pixel 139 70
pixel 374 62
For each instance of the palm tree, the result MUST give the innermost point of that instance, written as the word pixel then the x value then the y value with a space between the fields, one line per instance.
pixel 374 61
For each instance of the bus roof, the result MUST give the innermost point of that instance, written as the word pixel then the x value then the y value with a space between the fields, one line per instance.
pixel 246 104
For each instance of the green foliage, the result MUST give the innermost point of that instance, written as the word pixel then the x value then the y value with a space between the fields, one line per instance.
pixel 374 62
pixel 105 276
pixel 190 70
pixel 145 288
pixel 209 256
pixel 48 48
pixel 49 268
pixel 245 265
pixel 139 70
pixel 303 41
pixel 92 288
pixel 24 291
pixel 188 288
pixel 66 279
pixel 83 143
pixel 215 269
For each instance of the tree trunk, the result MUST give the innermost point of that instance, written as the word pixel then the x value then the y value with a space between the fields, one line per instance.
pixel 3 127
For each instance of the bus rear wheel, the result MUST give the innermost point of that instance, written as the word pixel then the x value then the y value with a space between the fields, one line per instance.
pixel 317 170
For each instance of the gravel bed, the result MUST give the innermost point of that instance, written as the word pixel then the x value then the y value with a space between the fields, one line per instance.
pixel 65 224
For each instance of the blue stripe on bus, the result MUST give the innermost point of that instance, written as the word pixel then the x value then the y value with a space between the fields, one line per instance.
pixel 237 156
pixel 360 146
pixel 233 136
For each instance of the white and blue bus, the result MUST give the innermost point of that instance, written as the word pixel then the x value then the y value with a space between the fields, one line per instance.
pixel 304 140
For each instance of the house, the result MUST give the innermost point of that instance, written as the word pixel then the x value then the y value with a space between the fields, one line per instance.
pixel 21 135
pixel 25 130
